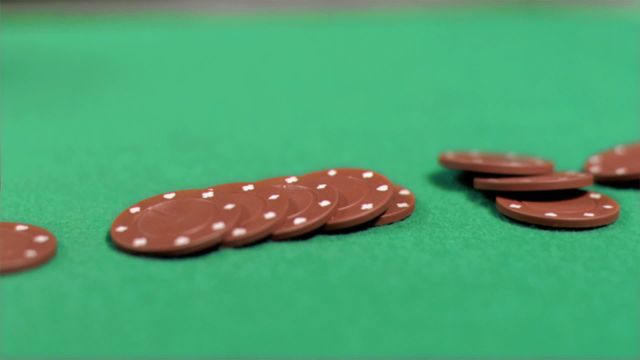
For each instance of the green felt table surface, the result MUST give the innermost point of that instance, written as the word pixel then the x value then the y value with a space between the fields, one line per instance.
pixel 99 111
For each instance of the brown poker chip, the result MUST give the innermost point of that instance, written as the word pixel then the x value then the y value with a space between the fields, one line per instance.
pixel 311 205
pixel 364 195
pixel 622 163
pixel 24 246
pixel 571 209
pixel 402 206
pixel 175 223
pixel 263 207
pixel 494 163
pixel 554 181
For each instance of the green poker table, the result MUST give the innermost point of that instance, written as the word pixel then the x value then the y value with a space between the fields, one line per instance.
pixel 102 110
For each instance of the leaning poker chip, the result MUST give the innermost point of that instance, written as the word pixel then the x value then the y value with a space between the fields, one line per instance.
pixel 554 181
pixel 622 163
pixel 402 206
pixel 24 246
pixel 574 209
pixel 493 163
pixel 263 208
pixel 311 205
pixel 175 223
pixel 364 195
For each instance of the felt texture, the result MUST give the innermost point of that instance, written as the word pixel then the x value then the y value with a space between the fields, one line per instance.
pixel 100 111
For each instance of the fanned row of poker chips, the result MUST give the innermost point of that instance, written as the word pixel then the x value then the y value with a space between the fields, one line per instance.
pixel 528 190
pixel 239 214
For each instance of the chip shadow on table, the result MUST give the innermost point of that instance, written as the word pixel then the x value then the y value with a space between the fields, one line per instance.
pixel 463 181
pixel 622 185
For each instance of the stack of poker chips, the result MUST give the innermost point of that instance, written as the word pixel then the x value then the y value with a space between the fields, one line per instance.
pixel 528 190
pixel 239 214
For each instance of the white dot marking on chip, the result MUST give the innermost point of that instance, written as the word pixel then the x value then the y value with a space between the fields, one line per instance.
pixel 239 232
pixel 182 241
pixel 207 195
pixel 41 239
pixel 21 227
pixel 619 150
pixel 404 192
pixel 324 203
pixel 229 206
pixel 269 215
pixel 274 197
pixel 321 186
pixel 595 196
pixel 588 214
pixel 169 196
pixel 402 205
pixel 383 188
pixel 595 159
pixel 367 174
pixel 621 171
pixel 299 221
pixel 595 169
pixel 607 206
pixel 219 225
pixel 138 242
pixel 515 206
pixel 332 172
pixel 30 253
pixel 121 229
pixel 248 187
pixel 550 214
pixel 291 180
pixel 366 206
pixel 135 209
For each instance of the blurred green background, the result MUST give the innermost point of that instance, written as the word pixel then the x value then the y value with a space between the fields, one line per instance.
pixel 100 109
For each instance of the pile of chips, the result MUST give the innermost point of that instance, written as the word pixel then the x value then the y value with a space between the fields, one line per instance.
pixel 240 214
pixel 528 189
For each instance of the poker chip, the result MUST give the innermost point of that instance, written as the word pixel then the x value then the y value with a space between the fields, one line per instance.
pixel 364 195
pixel 311 205
pixel 492 163
pixel 24 246
pixel 263 207
pixel 575 209
pixel 175 223
pixel 554 181
pixel 622 163
pixel 402 206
